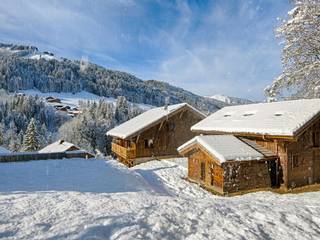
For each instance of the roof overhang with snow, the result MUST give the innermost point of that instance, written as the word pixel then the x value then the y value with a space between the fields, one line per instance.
pixel 287 119
pixel 150 118
pixel 59 146
pixel 226 148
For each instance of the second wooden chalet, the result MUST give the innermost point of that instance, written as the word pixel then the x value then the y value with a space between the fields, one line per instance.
pixel 290 130
pixel 154 134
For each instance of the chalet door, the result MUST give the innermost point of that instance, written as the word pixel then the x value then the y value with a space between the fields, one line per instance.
pixel 202 171
pixel 273 166
pixel 216 175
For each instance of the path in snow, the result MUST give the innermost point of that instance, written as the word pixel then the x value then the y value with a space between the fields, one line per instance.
pixel 149 201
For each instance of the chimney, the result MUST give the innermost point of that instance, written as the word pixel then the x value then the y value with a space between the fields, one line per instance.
pixel 61 141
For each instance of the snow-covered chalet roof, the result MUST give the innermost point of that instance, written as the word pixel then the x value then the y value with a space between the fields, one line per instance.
pixel 225 148
pixel 277 118
pixel 148 119
pixel 58 146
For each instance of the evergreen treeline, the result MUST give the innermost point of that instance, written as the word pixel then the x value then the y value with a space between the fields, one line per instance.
pixel 16 113
pixel 89 129
pixel 28 124
pixel 19 71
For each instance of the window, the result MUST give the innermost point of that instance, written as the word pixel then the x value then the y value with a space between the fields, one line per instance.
pixel 295 160
pixel 316 139
pixel 148 143
pixel 202 171
pixel 278 114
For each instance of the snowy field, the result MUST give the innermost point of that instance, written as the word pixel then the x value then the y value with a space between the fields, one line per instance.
pixel 74 99
pixel 95 199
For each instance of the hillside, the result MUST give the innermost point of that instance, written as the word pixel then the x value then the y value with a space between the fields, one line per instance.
pixel 230 100
pixel 25 67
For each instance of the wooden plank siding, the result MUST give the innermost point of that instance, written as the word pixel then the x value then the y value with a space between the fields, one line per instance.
pixel 166 137
pixel 124 152
pixel 226 177
pixel 299 159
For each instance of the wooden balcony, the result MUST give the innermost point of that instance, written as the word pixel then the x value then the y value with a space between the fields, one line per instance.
pixel 126 153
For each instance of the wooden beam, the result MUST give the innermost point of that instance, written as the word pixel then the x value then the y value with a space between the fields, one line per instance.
pixel 137 140
pixel 161 125
pixel 182 112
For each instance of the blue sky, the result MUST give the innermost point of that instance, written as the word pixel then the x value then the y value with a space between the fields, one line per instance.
pixel 208 47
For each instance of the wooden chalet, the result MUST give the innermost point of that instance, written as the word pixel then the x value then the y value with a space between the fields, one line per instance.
pixel 289 129
pixel 154 134
pixel 228 164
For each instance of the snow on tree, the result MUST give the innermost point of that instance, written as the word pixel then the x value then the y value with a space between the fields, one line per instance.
pixel 31 138
pixel 122 109
pixel 300 54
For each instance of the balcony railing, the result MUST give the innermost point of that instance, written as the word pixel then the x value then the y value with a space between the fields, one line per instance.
pixel 126 153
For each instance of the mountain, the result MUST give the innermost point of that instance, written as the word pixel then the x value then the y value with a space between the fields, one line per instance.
pixel 25 67
pixel 230 100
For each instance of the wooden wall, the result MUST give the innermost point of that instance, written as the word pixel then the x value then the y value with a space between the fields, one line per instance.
pixel 304 158
pixel 167 136
pixel 229 177
pixel 213 178
pixel 300 159
pixel 246 175
pixel 31 156
pixel 278 147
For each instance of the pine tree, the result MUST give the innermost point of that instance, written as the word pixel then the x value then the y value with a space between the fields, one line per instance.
pixel 122 109
pixel 300 54
pixel 31 137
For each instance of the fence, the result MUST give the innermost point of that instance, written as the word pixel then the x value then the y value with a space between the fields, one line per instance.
pixel 28 156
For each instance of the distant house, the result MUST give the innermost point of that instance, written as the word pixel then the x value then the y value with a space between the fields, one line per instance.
pixel 290 130
pixel 59 146
pixel 154 134
pixel 63 146
pixel 49 98
pixel 64 109
pixel 53 100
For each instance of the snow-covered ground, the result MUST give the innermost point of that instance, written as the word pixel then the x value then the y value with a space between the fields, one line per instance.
pixel 97 199
pixel 230 100
pixel 74 99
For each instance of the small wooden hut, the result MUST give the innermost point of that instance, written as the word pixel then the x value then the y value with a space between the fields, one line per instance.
pixel 154 134
pixel 289 129
pixel 227 164
pixel 61 146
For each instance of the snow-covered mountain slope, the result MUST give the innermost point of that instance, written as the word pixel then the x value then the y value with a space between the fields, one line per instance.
pixel 94 199
pixel 75 99
pixel 28 68
pixel 230 100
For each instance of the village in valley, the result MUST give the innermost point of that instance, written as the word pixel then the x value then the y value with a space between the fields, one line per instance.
pixel 92 153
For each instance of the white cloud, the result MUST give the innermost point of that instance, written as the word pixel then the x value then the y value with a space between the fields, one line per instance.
pixel 217 62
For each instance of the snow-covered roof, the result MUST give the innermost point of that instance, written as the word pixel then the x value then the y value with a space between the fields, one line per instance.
pixel 277 118
pixel 148 119
pixel 4 150
pixel 58 146
pixel 225 148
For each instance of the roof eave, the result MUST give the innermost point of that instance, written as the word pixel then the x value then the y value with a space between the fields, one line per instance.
pixel 152 124
pixel 214 132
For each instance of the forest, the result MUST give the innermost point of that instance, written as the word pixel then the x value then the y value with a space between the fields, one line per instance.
pixel 19 70
pixel 27 123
